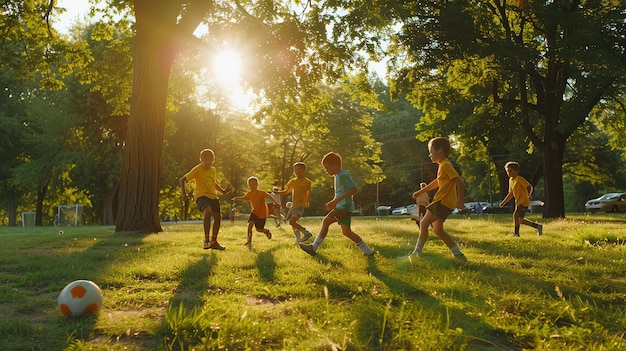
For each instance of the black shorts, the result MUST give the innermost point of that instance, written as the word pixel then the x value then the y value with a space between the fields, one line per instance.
pixel 440 211
pixel 259 223
pixel 203 202
pixel 520 210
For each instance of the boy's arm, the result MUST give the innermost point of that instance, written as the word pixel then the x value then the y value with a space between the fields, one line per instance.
pixel 530 191
pixel 284 191
pixel 238 198
pixel 183 188
pixel 508 197
pixel 333 203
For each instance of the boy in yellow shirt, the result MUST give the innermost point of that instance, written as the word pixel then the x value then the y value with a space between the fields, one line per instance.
pixel 300 188
pixel 205 193
pixel 450 195
pixel 521 189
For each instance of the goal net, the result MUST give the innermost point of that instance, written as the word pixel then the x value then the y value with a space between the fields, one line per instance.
pixel 69 215
pixel 28 219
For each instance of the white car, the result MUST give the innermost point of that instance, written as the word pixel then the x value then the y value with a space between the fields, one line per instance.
pixel 399 211
pixel 611 202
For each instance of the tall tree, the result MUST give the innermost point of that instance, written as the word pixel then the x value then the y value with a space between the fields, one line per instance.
pixel 549 64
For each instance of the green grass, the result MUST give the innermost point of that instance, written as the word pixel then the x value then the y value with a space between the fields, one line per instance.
pixel 563 291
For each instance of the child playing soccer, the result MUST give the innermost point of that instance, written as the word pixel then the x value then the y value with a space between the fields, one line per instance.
pixel 421 202
pixel 450 195
pixel 204 175
pixel 340 207
pixel 259 213
pixel 521 190
pixel 300 188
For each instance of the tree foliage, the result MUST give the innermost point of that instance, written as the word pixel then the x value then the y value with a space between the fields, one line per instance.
pixel 547 64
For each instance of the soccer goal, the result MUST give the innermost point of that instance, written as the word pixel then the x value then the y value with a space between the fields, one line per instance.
pixel 70 215
pixel 28 219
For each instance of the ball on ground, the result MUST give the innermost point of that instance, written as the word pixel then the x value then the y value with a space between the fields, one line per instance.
pixel 289 204
pixel 80 297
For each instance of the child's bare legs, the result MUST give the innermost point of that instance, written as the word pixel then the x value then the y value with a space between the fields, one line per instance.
pixel 518 218
pixel 426 221
pixel 264 231
pixel 347 232
pixel 437 224
pixel 217 222
pixel 249 240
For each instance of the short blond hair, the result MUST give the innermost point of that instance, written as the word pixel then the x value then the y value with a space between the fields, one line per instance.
pixel 512 165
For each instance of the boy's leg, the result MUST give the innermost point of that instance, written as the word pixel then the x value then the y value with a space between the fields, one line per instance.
pixel 449 241
pixel 259 224
pixel 217 222
pixel 535 225
pixel 347 232
pixel 249 233
pixel 518 217
pixel 426 221
pixel 206 222
pixel 326 222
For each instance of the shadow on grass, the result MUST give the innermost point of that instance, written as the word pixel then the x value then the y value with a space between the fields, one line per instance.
pixel 193 282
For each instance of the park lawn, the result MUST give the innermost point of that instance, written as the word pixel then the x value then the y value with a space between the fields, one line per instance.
pixel 565 290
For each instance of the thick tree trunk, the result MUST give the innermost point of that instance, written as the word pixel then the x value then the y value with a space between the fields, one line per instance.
pixel 12 208
pixel 153 53
pixel 553 151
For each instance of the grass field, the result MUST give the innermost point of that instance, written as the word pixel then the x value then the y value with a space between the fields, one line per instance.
pixel 565 290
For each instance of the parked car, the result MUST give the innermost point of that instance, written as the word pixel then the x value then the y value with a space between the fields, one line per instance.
pixel 399 211
pixel 471 207
pixel 495 207
pixel 536 206
pixel 611 202
pixel 403 210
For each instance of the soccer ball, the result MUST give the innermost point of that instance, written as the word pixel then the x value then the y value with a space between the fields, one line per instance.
pixel 289 204
pixel 80 297
pixel 61 232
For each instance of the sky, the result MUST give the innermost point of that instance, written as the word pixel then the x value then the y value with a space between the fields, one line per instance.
pixel 76 11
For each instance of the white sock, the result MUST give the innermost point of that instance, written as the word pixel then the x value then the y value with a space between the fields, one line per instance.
pixel 317 242
pixel 297 234
pixel 366 249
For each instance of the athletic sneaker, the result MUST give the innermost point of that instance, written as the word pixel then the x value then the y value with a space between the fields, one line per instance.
pixel 515 235
pixel 207 245
pixel 214 245
pixel 461 259
pixel 540 229
pixel 307 236
pixel 308 249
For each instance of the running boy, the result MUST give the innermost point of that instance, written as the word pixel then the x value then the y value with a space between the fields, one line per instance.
pixel 259 213
pixel 421 202
pixel 300 188
pixel 340 207
pixel 450 195
pixel 205 175
pixel 521 190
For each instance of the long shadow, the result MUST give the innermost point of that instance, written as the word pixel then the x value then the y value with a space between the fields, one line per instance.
pixel 417 296
pixel 267 265
pixel 193 282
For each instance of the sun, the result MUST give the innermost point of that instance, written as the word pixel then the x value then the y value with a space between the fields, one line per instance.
pixel 227 67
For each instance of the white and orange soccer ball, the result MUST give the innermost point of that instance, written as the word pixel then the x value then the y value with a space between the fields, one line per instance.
pixel 80 297
pixel 289 204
